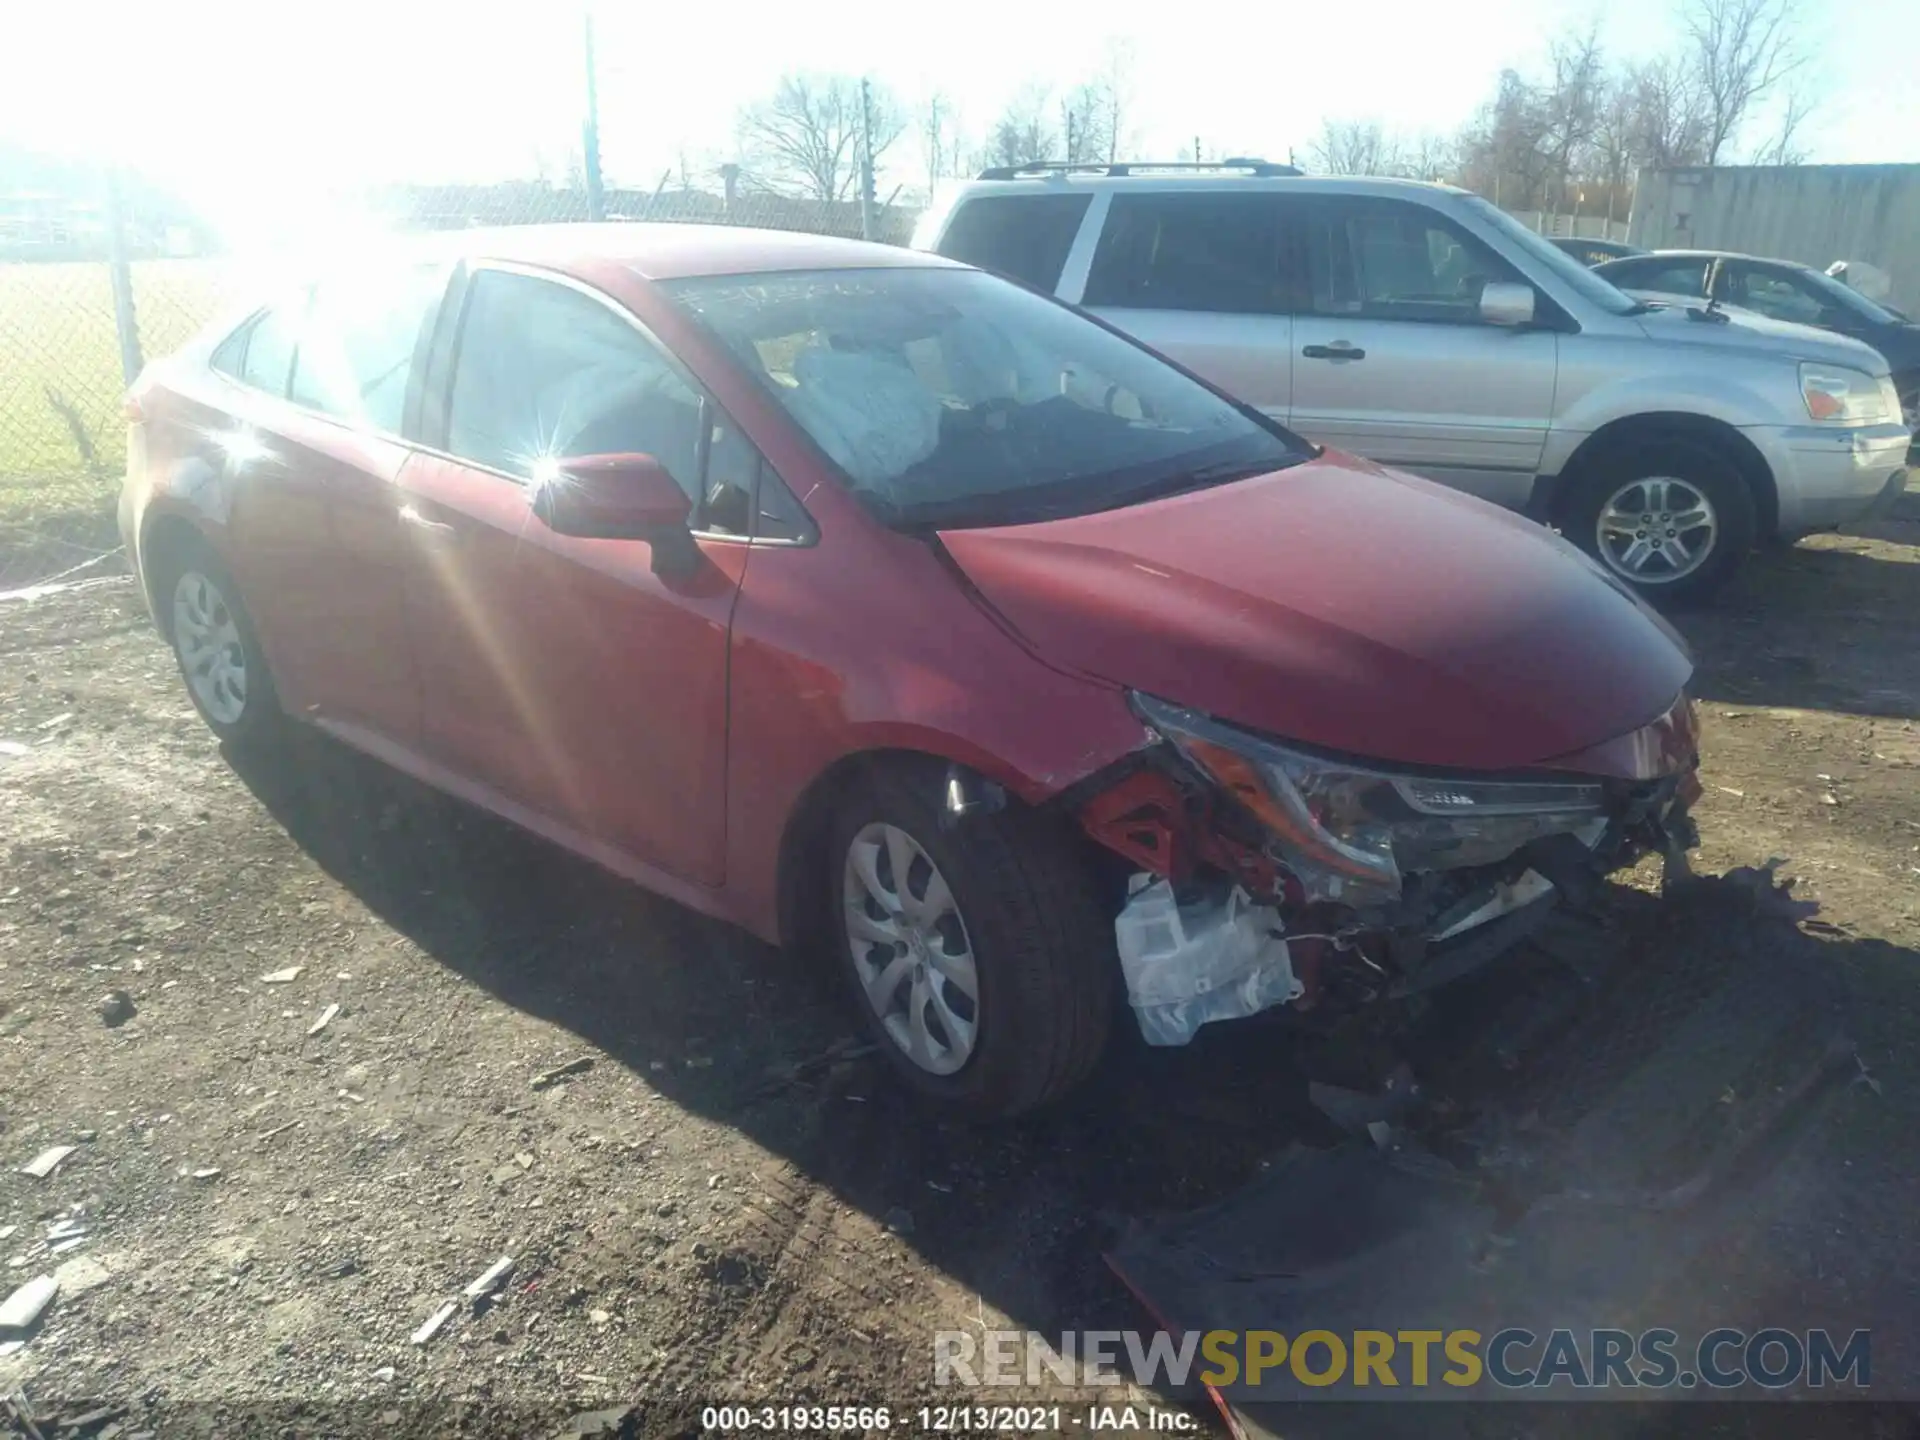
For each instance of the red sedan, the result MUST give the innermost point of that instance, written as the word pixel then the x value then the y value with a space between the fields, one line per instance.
pixel 876 604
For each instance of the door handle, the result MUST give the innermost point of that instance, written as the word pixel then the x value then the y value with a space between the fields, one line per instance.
pixel 1339 350
pixel 437 530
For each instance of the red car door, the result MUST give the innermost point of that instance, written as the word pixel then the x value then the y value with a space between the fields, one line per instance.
pixel 561 673
pixel 310 457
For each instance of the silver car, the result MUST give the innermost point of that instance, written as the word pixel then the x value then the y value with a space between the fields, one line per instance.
pixel 1422 327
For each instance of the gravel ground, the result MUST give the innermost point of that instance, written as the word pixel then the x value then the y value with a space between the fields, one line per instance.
pixel 719 1195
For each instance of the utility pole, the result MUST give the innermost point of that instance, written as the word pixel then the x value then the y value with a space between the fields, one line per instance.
pixel 866 160
pixel 1196 149
pixel 590 133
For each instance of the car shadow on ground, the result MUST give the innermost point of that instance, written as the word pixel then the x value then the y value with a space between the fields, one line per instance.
pixel 744 1035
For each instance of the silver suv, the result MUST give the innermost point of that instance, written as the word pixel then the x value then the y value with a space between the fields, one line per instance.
pixel 1422 327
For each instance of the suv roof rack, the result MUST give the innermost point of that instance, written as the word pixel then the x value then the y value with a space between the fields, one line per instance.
pixel 1046 169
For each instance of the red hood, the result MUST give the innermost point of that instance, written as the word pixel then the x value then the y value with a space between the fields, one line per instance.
pixel 1343 606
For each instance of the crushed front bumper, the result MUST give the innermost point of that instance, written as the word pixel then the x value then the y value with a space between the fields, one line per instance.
pixel 1170 821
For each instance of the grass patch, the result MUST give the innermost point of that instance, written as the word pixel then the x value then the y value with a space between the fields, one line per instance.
pixel 62 440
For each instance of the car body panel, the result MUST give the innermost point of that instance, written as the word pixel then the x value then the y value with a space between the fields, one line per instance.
pixel 568 674
pixel 1467 405
pixel 1243 601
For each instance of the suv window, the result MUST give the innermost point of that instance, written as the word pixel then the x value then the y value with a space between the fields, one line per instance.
pixel 269 352
pixel 1387 260
pixel 1207 251
pixel 545 372
pixel 1026 237
pixel 357 344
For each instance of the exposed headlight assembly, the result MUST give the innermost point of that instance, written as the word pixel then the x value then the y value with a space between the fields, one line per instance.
pixel 1349 831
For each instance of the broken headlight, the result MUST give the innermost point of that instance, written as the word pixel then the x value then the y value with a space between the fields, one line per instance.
pixel 1349 831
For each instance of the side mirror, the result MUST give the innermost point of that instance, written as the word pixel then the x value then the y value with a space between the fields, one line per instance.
pixel 620 497
pixel 1505 303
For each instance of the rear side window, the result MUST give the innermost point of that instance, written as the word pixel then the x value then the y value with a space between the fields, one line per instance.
pixel 1025 237
pixel 269 353
pixel 1388 260
pixel 358 342
pixel 1215 252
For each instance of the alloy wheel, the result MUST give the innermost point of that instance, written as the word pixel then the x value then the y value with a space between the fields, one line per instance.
pixel 211 651
pixel 910 949
pixel 1656 530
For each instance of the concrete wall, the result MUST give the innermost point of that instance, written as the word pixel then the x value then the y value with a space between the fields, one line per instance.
pixel 1815 214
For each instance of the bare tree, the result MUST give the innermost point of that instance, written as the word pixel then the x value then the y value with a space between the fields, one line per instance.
pixel 941 143
pixel 1114 86
pixel 1021 136
pixel 1083 124
pixel 804 139
pixel 1429 156
pixel 1569 106
pixel 1354 147
pixel 1783 148
pixel 1738 52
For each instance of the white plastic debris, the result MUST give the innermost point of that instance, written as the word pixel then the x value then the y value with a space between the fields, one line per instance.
pixel 434 1322
pixel 326 1019
pixel 489 1281
pixel 283 977
pixel 1219 959
pixel 47 1161
pixel 24 1306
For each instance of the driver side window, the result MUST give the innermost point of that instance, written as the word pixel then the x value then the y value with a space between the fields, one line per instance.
pixel 1388 260
pixel 546 372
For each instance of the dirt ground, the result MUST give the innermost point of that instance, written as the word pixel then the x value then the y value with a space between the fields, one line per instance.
pixel 727 1199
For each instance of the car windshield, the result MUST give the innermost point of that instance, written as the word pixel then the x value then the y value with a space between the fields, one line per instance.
pixel 1594 289
pixel 949 397
pixel 1839 293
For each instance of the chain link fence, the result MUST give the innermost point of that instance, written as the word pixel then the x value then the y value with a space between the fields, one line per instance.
pixel 62 434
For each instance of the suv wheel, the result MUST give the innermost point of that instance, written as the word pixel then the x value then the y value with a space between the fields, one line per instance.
pixel 1670 518
pixel 978 955
pixel 219 654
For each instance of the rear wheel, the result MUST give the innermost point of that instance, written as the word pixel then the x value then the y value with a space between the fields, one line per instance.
pixel 977 953
pixel 1670 518
pixel 218 653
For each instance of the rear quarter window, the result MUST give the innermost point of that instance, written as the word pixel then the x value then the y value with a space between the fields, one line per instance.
pixel 1024 237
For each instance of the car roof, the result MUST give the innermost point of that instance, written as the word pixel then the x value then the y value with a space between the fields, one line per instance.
pixel 662 250
pixel 1717 255
pixel 1145 178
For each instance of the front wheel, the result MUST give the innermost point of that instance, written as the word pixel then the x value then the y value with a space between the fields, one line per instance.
pixel 976 952
pixel 1670 518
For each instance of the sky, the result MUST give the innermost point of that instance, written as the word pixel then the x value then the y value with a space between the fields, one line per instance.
pixel 256 110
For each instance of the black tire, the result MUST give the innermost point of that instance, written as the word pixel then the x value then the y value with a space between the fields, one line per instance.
pixel 259 721
pixel 1042 944
pixel 1696 465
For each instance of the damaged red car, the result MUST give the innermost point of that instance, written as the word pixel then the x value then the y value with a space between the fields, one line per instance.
pixel 890 610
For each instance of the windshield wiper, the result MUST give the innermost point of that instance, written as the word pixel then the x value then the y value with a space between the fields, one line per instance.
pixel 1202 477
